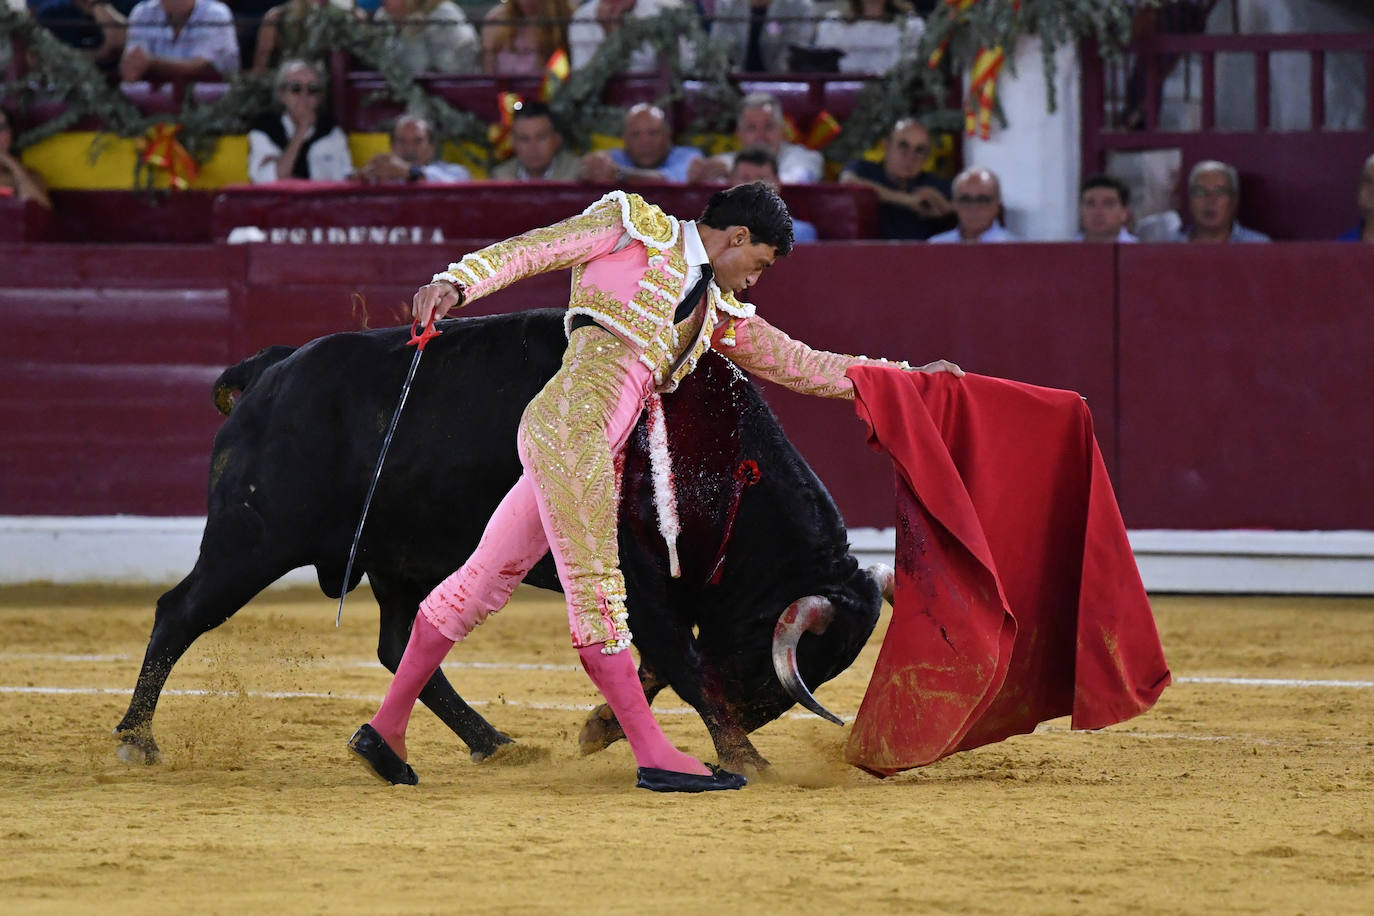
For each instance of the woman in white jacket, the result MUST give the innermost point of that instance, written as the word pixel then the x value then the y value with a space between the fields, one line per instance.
pixel 302 140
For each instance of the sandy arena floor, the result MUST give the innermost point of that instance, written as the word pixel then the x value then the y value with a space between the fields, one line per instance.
pixel 1231 796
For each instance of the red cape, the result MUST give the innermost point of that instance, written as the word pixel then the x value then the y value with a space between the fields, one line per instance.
pixel 1017 597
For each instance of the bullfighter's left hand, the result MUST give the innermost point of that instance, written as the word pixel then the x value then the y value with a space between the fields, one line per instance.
pixel 940 365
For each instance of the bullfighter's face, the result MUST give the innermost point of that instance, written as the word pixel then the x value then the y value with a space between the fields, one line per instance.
pixel 739 266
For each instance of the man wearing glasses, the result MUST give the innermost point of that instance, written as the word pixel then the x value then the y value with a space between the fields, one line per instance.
pixel 1213 197
pixel 912 203
pixel 977 203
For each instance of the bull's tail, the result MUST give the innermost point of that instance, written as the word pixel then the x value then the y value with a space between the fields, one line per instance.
pixel 240 377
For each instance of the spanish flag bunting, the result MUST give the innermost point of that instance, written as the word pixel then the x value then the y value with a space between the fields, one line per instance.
pixel 555 74
pixel 790 133
pixel 938 55
pixel 498 135
pixel 161 150
pixel 824 129
pixel 983 91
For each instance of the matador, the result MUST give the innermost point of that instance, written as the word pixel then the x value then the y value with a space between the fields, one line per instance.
pixel 650 295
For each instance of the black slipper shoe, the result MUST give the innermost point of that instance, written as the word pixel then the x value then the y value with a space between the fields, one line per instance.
pixel 673 781
pixel 379 756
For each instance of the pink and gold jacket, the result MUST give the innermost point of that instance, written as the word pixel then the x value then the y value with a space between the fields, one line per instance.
pixel 633 290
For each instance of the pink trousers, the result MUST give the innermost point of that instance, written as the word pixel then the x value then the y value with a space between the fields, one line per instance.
pixel 566 500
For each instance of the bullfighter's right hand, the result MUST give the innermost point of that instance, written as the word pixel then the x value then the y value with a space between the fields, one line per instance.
pixel 434 300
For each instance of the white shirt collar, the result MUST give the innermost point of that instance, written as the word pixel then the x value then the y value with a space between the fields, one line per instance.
pixel 692 248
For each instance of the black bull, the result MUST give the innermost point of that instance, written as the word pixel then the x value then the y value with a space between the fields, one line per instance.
pixel 292 463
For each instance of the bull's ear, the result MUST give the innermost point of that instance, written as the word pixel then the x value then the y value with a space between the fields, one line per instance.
pixel 810 614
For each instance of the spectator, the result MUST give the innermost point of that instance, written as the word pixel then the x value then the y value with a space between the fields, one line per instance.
pixel 1104 210
pixel 760 124
pixel 95 27
pixel 977 201
pixel 873 34
pixel 1213 197
pixel 912 203
pixel 412 158
pixel 595 19
pixel 1363 231
pixel 519 36
pixel 180 40
pixel 649 153
pixel 283 30
pixel 302 141
pixel 758 164
pixel 431 36
pixel 539 153
pixel 757 34
pixel 16 180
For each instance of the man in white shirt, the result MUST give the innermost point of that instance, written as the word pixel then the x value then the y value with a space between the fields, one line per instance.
pixel 760 124
pixel 977 201
pixel 180 40
pixel 595 19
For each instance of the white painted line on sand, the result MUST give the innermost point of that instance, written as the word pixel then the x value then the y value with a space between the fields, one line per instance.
pixel 355 662
pixel 1275 682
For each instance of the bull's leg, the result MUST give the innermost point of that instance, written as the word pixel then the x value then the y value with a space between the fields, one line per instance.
pixel 398 602
pixel 210 595
pixel 703 689
pixel 691 675
pixel 602 729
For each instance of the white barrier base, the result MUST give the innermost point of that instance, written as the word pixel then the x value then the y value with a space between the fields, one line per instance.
pixel 138 550
pixel 1222 562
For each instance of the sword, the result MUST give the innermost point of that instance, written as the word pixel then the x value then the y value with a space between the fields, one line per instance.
pixel 418 339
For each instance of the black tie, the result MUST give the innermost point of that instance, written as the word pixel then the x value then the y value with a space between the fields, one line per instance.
pixel 689 302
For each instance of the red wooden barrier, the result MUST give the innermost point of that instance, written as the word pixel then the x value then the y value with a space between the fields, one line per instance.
pixel 1229 385
pixel 1246 384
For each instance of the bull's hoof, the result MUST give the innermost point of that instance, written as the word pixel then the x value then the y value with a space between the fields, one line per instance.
pixel 137 748
pixel 752 764
pixel 600 731
pixel 484 753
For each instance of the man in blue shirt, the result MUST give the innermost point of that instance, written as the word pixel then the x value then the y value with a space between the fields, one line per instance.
pixel 1213 199
pixel 648 155
pixel 977 204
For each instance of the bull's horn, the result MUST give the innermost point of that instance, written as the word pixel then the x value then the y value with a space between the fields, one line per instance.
pixel 885 578
pixel 812 613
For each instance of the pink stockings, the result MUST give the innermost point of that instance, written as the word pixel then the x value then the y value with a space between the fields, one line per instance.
pixel 601 383
pixel 614 675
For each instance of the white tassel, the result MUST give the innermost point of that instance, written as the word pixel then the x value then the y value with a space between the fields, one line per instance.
pixel 665 501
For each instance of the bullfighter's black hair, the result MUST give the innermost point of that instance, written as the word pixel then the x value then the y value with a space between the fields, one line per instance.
pixel 756 207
